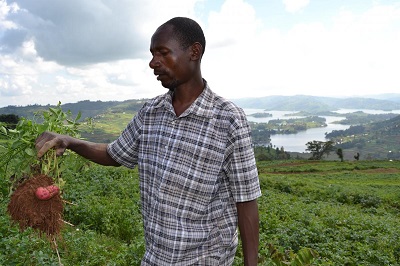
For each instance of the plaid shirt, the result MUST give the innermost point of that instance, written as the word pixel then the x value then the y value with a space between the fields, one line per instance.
pixel 193 169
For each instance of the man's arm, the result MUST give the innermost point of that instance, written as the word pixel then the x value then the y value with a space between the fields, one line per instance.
pixel 96 152
pixel 249 230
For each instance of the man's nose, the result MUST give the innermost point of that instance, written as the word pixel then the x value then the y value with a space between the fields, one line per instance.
pixel 154 63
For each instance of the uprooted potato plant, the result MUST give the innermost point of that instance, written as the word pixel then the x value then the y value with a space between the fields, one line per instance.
pixel 36 183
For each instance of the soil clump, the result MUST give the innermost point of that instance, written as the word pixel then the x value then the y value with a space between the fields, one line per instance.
pixel 27 210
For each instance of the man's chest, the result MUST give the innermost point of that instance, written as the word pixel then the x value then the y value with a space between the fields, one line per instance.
pixel 181 161
pixel 189 137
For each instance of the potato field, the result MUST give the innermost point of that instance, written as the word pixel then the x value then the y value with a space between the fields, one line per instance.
pixel 311 213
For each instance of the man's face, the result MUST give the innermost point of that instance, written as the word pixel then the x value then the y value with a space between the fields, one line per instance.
pixel 170 62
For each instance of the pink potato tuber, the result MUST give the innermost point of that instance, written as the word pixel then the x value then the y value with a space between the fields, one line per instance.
pixel 46 193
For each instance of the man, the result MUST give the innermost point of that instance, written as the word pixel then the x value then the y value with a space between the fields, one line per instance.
pixel 198 178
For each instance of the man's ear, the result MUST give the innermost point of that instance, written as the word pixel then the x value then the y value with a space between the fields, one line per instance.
pixel 197 51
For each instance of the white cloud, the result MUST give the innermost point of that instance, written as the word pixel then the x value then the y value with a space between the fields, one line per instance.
pixel 293 6
pixel 236 22
pixel 229 63
pixel 21 74
pixel 356 54
pixel 87 32
pixel 96 51
pixel 5 10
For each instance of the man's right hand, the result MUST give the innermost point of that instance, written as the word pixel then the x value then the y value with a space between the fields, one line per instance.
pixel 96 152
pixel 50 140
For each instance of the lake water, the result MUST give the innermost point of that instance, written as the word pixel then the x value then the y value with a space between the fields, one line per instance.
pixel 297 142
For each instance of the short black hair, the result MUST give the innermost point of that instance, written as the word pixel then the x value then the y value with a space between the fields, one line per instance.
pixel 187 31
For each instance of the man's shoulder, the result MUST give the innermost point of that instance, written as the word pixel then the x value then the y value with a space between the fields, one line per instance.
pixel 227 106
pixel 155 102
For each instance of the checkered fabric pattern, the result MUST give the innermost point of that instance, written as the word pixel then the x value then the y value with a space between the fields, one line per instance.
pixel 193 169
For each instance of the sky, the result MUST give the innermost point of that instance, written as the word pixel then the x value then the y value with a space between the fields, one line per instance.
pixel 69 51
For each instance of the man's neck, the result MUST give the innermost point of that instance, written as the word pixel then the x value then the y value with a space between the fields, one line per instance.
pixel 185 95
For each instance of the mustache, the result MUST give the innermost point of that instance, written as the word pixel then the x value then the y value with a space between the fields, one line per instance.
pixel 158 72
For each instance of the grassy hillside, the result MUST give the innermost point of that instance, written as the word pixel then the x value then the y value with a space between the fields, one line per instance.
pixel 87 108
pixel 378 140
pixel 347 212
pixel 106 127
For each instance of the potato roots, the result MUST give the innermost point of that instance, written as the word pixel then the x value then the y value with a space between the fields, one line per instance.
pixel 26 209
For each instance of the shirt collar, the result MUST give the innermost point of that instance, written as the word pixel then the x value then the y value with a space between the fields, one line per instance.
pixel 202 106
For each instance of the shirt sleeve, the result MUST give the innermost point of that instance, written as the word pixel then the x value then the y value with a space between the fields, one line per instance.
pixel 125 149
pixel 242 168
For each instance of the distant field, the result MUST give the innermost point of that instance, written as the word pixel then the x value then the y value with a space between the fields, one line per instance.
pixel 348 212
pixel 106 127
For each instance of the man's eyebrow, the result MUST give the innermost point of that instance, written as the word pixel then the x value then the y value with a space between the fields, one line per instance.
pixel 158 48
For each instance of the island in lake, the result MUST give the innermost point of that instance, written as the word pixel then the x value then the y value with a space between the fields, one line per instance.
pixel 260 115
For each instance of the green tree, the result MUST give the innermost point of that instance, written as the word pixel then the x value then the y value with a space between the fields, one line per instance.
pixel 10 120
pixel 339 153
pixel 319 148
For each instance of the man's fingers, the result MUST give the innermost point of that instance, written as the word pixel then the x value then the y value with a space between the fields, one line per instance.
pixel 41 139
pixel 60 151
pixel 50 140
pixel 39 143
pixel 43 148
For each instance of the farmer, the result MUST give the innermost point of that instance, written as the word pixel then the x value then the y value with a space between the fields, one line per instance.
pixel 198 177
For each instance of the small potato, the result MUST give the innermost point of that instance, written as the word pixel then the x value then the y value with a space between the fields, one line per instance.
pixel 46 193
pixel 53 189
pixel 42 193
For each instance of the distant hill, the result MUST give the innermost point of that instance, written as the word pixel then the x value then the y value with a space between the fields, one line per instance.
pixel 314 104
pixel 87 108
pixel 310 104
pixel 391 126
pixel 305 103
pixel 378 140
pixel 372 140
pixel 394 97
